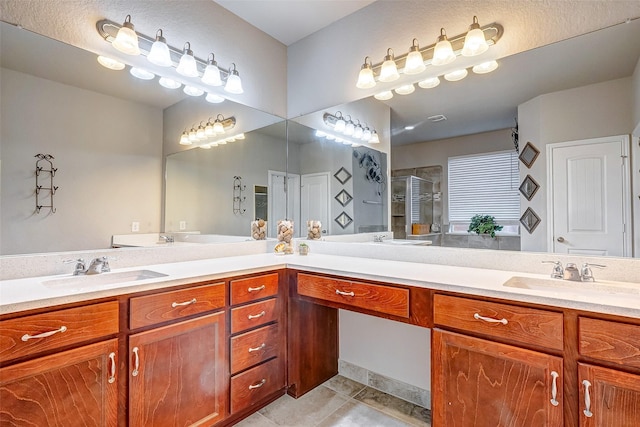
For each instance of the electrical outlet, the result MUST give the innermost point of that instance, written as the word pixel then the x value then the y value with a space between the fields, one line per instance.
pixel 183 225
pixel 135 226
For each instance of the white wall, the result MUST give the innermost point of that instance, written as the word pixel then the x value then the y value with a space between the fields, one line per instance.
pixel 109 161
pixel 598 110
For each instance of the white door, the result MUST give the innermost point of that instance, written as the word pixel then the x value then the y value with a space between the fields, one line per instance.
pixel 314 201
pixel 589 199
pixel 283 205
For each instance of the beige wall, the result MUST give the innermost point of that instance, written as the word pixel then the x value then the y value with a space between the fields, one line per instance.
pixel 109 158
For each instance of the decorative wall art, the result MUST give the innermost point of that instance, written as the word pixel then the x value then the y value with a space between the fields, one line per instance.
pixel 373 170
pixel 530 220
pixel 529 154
pixel 342 175
pixel 529 187
pixel 344 198
pixel 344 220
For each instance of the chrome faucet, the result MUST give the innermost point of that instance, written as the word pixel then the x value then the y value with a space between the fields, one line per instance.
pixel 586 273
pixel 558 272
pixel 571 272
pixel 378 238
pixel 80 267
pixel 167 239
pixel 98 265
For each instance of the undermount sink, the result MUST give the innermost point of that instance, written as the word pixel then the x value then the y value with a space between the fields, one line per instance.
pixel 404 242
pixel 559 285
pixel 85 281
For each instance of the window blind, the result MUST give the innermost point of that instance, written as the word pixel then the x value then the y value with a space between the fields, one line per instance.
pixel 485 184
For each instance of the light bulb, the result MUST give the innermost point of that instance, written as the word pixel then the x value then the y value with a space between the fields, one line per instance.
pixel 208 129
pixel 159 53
pixel 192 135
pixel 184 139
pixel 374 138
pixel 192 91
pixel 213 98
pixel 127 40
pixel 383 96
pixel 457 75
pixel 340 124
pixel 141 74
pixel 365 77
pixel 218 127
pixel 200 134
pixel 405 89
pixel 474 41
pixel 234 84
pixel 169 83
pixel 443 52
pixel 187 65
pixel 357 133
pixel 110 63
pixel 429 83
pixel 366 135
pixel 414 63
pixel 389 70
pixel 485 67
pixel 211 74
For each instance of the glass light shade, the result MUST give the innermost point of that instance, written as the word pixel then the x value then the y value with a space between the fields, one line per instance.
pixel 141 74
pixel 405 89
pixel 192 91
pixel 169 83
pixel 214 99
pixel 457 75
pixel 374 138
pixel 218 128
pixel 159 53
pixel 127 40
pixel 389 70
pixel 383 96
pixel 187 65
pixel 414 64
pixel 184 139
pixel 366 135
pixel 234 84
pixel 443 52
pixel 211 74
pixel 349 128
pixel 429 83
pixel 208 130
pixel 340 125
pixel 357 133
pixel 474 41
pixel 365 77
pixel 485 67
pixel 200 134
pixel 110 63
pixel 192 135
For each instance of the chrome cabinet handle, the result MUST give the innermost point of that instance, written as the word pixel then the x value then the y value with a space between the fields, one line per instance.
pixel 112 374
pixel 554 388
pixel 490 320
pixel 257 316
pixel 27 337
pixel 346 294
pixel 252 349
pixel 259 288
pixel 179 304
pixel 587 399
pixel 136 362
pixel 260 384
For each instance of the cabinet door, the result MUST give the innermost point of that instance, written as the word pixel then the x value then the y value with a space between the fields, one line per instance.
pixel 177 374
pixel 608 398
pixel 71 388
pixel 485 384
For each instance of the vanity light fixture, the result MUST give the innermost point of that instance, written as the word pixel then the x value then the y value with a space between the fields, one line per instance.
pixel 218 128
pixel 474 42
pixel 200 134
pixel 234 84
pixel 456 75
pixel 443 52
pixel 126 40
pixel 415 62
pixel 159 53
pixel 374 138
pixel 184 138
pixel 110 63
pixel 169 83
pixel 365 78
pixel 187 65
pixel 211 74
pixel 360 131
pixel 389 69
pixel 192 135
pixel 383 96
pixel 204 132
pixel 141 73
pixel 340 123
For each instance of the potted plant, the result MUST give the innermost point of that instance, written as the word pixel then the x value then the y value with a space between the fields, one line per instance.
pixel 484 224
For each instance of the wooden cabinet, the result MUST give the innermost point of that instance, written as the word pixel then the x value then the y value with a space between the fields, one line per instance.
pixel 481 383
pixel 77 387
pixel 178 374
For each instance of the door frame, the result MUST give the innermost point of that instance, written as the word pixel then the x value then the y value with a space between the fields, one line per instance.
pixel 626 186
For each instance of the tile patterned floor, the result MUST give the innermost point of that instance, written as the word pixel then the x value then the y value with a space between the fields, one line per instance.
pixel 340 402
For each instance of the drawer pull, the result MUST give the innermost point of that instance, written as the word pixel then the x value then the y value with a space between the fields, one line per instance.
pixel 27 337
pixel 258 385
pixel 587 399
pixel 554 388
pixel 179 304
pixel 257 316
pixel 259 288
pixel 112 374
pixel 252 349
pixel 346 294
pixel 490 319
pixel 136 362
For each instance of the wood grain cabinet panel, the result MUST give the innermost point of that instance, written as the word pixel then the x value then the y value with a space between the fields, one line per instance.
pixel 29 335
pixel 153 309
pixel 255 384
pixel 383 299
pixel 178 374
pixel 72 388
pixel 611 341
pixel 523 325
pixel 481 383
pixel 254 288
pixel 608 398
pixel 253 315
pixel 254 347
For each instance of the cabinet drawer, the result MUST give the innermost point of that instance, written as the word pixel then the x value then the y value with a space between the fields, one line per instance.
pixel 152 309
pixel 254 288
pixel 254 347
pixel 255 384
pixel 611 341
pixel 28 335
pixel 514 323
pixel 380 298
pixel 252 315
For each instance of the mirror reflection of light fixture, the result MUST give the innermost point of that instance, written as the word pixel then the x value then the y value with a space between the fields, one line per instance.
pixel 429 83
pixel 361 132
pixel 184 138
pixel 366 79
pixel 211 74
pixel 217 125
pixel 414 63
pixel 456 75
pixel 169 83
pixel 110 63
pixel 349 128
pixel 485 67
pixel 187 65
pixel 340 124
pixel 405 89
pixel 443 52
pixel 192 135
pixel 383 96
pixel 127 40
pixel 474 42
pixel 192 90
pixel 214 99
pixel 234 84
pixel 159 53
pixel 204 132
pixel 374 138
pixel 141 73
pixel 389 69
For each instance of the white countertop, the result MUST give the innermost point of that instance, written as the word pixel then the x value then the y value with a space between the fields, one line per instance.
pixel 30 293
